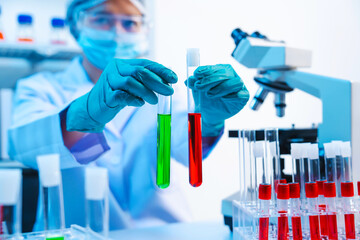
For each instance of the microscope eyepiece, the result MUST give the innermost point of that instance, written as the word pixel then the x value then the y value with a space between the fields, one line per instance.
pixel 238 35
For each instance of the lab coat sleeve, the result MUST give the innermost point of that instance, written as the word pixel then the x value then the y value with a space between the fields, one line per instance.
pixel 36 127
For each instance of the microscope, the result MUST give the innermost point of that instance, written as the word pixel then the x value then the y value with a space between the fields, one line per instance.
pixel 277 73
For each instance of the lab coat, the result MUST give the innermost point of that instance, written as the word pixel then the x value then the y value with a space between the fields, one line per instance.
pixel 134 198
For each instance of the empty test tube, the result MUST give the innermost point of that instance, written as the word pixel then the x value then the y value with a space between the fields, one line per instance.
pixel 331 212
pixel 346 156
pixel 163 141
pixel 10 203
pixel 264 199
pixel 51 190
pixel 330 165
pixel 295 208
pixel 97 203
pixel 194 123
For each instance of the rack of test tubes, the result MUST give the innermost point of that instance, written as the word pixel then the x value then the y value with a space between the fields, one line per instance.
pixel 319 203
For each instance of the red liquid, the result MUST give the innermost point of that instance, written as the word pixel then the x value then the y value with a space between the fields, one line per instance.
pixel 296 228
pixel 1 36
pixel 314 227
pixel 283 227
pixel 323 221
pixel 195 149
pixel 25 40
pixel 263 228
pixel 332 223
pixel 350 226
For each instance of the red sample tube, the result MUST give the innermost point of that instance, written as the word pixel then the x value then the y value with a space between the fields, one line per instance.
pixel 283 195
pixel 265 197
pixel 322 209
pixel 311 190
pixel 195 149
pixel 295 205
pixel 330 200
pixel 347 192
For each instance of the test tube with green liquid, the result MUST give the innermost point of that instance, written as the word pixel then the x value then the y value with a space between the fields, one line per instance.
pixel 163 141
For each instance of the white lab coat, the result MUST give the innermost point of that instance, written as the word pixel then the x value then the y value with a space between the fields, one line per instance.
pixel 134 198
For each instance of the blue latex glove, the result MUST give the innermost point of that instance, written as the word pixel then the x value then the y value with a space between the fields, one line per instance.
pixel 123 83
pixel 219 93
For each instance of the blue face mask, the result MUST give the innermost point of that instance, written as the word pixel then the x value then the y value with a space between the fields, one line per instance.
pixel 100 47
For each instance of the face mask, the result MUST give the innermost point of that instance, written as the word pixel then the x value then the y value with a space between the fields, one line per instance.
pixel 100 47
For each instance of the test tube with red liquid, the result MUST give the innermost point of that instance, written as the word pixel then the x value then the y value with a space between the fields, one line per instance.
pixel 330 198
pixel 322 209
pixel 194 123
pixel 347 193
pixel 311 190
pixel 264 199
pixel 283 195
pixel 295 206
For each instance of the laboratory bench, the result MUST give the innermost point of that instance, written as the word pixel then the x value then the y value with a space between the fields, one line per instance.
pixel 177 231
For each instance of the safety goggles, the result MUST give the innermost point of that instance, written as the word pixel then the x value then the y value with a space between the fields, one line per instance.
pixel 113 22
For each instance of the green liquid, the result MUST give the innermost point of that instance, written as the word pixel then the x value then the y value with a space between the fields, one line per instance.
pixel 55 238
pixel 163 150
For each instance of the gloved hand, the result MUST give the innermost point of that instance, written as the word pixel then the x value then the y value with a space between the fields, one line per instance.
pixel 122 83
pixel 219 93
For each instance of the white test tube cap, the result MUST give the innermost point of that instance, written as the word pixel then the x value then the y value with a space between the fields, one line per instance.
pixel 49 170
pixel 10 185
pixel 296 150
pixel 313 151
pixel 259 149
pixel 346 149
pixel 193 57
pixel 337 147
pixel 304 149
pixel 96 183
pixel 329 150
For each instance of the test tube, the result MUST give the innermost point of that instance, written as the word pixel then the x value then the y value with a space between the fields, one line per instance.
pixel 273 157
pixel 163 141
pixel 295 208
pixel 322 209
pixel 331 212
pixel 97 203
pixel 346 155
pixel 10 203
pixel 283 195
pixel 340 168
pixel 330 165
pixel 347 193
pixel 311 190
pixel 194 123
pixel 298 171
pixel 52 193
pixel 313 162
pixel 264 198
pixel 261 166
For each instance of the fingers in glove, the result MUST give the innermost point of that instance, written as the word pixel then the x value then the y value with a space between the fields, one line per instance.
pixel 163 72
pixel 225 88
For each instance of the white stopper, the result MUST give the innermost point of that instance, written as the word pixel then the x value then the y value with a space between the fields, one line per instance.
pixel 193 57
pixel 296 150
pixel 304 149
pixel 10 185
pixel 272 148
pixel 259 149
pixel 346 149
pixel 329 150
pixel 337 147
pixel 49 170
pixel 96 183
pixel 313 151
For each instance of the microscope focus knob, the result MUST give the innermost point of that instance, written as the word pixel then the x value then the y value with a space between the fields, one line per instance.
pixel 238 35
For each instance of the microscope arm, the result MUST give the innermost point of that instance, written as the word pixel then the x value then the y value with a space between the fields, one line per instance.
pixel 335 95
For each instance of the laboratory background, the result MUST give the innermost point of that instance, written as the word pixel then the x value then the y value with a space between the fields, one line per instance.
pixel 326 37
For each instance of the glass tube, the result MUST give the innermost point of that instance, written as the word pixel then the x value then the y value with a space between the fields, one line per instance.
pixel 242 166
pixel 10 203
pixel 330 166
pixel 163 141
pixel 346 155
pixel 313 164
pixel 194 123
pixel 52 193
pixel 298 173
pixel 247 139
pixel 273 157
pixel 97 203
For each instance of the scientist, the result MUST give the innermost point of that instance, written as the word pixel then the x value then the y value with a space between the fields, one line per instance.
pixel 102 110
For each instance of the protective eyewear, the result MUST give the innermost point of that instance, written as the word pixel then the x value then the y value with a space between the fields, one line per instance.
pixel 111 22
